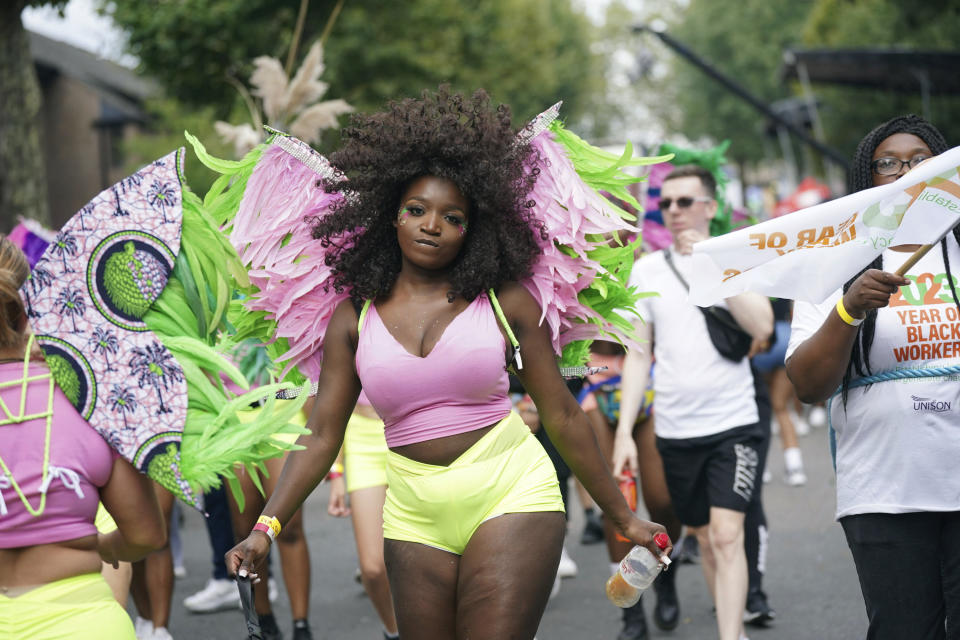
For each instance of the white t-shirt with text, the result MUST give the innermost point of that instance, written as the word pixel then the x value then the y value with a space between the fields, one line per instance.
pixel 898 442
pixel 698 392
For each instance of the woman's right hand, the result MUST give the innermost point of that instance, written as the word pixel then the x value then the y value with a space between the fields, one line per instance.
pixel 337 506
pixel 246 556
pixel 871 290
pixel 624 454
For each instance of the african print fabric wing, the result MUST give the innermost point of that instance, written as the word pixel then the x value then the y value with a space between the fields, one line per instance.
pixel 86 299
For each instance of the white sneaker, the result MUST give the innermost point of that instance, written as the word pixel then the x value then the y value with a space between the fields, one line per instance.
pixel 161 633
pixel 567 567
pixel 796 478
pixel 217 595
pixel 179 571
pixel 273 591
pixel 143 628
pixel 817 417
pixel 800 425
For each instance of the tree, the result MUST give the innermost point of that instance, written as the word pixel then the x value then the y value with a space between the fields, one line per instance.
pixel 745 43
pixel 850 113
pixel 528 53
pixel 23 183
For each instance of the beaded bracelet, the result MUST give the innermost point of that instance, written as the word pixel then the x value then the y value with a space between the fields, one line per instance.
pixel 845 315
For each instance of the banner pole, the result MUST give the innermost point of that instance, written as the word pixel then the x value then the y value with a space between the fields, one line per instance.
pixel 912 260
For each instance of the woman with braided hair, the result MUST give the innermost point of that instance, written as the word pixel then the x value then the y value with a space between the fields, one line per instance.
pixel 898 490
pixel 473 520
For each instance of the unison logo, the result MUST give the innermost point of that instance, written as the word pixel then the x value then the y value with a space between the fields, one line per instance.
pixel 929 404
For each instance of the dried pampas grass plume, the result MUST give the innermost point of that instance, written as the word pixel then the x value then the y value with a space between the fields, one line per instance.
pixel 270 85
pixel 318 117
pixel 289 105
pixel 243 137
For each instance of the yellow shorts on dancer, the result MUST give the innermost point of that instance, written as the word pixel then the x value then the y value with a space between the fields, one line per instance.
pixel 506 471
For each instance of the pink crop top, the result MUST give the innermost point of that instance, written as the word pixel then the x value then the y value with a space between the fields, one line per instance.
pixel 80 462
pixel 460 386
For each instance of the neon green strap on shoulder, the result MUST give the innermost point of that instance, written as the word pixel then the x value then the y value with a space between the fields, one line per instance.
pixel 506 328
pixel 363 314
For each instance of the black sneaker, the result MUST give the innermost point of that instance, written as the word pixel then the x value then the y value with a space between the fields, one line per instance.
pixel 301 630
pixel 268 627
pixel 634 623
pixel 593 529
pixel 758 613
pixel 689 551
pixel 666 613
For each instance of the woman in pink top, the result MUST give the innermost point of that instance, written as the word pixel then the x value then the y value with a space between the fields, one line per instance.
pixel 473 521
pixel 54 468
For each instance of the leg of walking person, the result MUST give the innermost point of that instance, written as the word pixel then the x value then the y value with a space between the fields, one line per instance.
pixel 898 560
pixel 758 611
pixel 220 592
pixel 730 579
pixel 950 543
pixel 423 581
pixel 366 510
pixel 781 394
pixel 294 557
pixel 634 621
pixel 656 498
pixel 503 586
pixel 243 522
pixel 152 582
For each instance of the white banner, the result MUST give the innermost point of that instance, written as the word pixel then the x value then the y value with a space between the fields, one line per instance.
pixel 808 254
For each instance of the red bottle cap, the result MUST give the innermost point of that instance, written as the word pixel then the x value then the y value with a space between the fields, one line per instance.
pixel 662 540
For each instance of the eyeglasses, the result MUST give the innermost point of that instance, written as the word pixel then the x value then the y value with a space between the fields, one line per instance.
pixel 893 166
pixel 683 202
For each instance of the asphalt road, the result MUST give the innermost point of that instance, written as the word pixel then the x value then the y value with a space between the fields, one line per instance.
pixel 810 577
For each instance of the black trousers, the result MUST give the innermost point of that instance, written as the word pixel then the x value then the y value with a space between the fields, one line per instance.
pixel 909 570
pixel 755 531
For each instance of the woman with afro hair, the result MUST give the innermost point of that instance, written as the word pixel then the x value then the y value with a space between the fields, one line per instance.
pixel 898 490
pixel 473 520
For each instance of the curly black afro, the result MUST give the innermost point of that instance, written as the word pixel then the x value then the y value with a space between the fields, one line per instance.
pixel 446 135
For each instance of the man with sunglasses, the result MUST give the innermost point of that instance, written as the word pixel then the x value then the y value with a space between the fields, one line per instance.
pixel 708 428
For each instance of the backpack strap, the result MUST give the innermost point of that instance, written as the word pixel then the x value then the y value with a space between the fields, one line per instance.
pixel 498 311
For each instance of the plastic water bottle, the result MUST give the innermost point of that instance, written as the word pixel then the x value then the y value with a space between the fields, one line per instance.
pixel 637 572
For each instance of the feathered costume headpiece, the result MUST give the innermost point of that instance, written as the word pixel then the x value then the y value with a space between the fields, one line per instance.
pixel 712 160
pixel 579 279
pixel 127 302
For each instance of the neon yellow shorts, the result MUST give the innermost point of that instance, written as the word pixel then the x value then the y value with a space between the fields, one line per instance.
pixel 506 471
pixel 365 453
pixel 77 608
pixel 104 521
pixel 300 419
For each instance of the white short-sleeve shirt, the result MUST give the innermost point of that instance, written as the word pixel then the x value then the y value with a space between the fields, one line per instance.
pixel 898 442
pixel 698 392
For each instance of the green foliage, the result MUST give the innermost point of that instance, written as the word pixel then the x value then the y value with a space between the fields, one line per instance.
pixel 527 53
pixel 192 46
pixel 851 112
pixel 169 118
pixel 746 44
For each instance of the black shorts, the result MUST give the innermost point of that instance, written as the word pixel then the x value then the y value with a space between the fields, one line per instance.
pixel 719 470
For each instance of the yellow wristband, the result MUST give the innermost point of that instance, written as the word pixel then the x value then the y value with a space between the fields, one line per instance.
pixel 845 316
pixel 271 522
